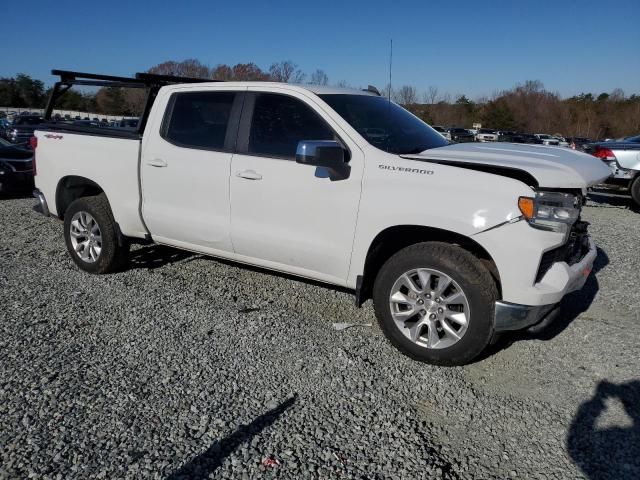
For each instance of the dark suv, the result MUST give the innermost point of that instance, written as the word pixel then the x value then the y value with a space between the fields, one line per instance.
pixel 22 128
pixel 460 135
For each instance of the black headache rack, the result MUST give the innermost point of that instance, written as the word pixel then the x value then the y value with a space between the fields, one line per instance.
pixel 148 81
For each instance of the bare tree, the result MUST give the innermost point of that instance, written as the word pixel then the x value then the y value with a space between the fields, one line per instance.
pixel 431 95
pixel 248 72
pixel 186 68
pixel 286 71
pixel 319 78
pixel 406 95
pixel 222 72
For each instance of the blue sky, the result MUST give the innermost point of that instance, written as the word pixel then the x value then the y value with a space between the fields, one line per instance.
pixel 475 47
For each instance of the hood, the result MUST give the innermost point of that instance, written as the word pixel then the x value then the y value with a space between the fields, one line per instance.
pixel 551 167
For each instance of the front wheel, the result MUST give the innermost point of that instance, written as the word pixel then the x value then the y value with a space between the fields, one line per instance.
pixel 92 237
pixel 435 303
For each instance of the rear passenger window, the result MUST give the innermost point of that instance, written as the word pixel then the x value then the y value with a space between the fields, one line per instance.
pixel 279 122
pixel 199 120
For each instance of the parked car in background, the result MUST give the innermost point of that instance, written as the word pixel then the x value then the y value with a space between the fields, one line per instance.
pixel 442 131
pixel 547 139
pixel 129 123
pixel 87 123
pixel 578 143
pixel 22 128
pixel 623 158
pixel 529 138
pixel 562 142
pixel 460 135
pixel 16 169
pixel 487 135
pixel 506 136
pixel 4 125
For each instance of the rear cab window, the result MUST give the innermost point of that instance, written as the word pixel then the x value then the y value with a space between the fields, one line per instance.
pixel 198 119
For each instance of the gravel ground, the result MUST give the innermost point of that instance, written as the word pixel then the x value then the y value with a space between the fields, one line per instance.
pixel 189 367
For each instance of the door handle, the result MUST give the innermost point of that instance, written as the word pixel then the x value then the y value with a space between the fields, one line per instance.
pixel 157 162
pixel 249 175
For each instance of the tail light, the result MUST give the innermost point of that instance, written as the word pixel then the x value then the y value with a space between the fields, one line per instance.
pixel 33 141
pixel 604 154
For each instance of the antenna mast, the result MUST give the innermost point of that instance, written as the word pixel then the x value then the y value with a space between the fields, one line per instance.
pixel 390 65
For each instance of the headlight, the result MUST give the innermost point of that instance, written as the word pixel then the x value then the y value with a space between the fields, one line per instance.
pixel 553 211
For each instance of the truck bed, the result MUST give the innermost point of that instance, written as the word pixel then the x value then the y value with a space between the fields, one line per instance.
pixel 65 152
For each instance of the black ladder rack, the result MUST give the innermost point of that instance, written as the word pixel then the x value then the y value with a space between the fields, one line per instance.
pixel 149 81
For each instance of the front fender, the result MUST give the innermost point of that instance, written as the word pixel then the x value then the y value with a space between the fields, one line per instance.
pixel 399 191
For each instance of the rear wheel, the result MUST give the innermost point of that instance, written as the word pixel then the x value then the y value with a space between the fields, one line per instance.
pixel 435 303
pixel 635 191
pixel 92 237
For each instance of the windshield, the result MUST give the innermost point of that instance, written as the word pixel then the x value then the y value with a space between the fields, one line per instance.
pixel 384 124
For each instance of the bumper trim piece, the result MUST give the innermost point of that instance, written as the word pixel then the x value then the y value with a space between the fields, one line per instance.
pixel 42 202
pixel 511 316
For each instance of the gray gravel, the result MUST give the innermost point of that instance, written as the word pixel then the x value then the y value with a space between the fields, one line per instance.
pixel 188 367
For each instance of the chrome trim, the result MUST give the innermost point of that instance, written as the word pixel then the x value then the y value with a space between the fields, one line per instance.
pixel 512 316
pixel 42 202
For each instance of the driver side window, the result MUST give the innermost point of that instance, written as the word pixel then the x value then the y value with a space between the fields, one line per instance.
pixel 279 122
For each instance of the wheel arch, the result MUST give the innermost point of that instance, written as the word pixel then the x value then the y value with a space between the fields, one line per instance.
pixel 395 238
pixel 71 188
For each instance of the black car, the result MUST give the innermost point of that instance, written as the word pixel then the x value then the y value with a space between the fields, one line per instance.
pixel 580 143
pixel 460 135
pixel 22 128
pixel 16 169
pixel 528 138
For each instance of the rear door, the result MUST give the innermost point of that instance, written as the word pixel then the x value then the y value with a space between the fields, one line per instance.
pixel 185 169
pixel 284 215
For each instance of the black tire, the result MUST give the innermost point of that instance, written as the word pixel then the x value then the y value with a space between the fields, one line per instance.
pixel 470 274
pixel 635 191
pixel 115 249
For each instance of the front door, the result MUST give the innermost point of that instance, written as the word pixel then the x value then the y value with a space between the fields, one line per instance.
pixel 285 215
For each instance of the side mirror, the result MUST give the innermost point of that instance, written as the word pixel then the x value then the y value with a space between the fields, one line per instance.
pixel 327 154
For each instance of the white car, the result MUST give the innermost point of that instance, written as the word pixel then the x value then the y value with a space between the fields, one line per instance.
pixel 455 243
pixel 442 131
pixel 562 142
pixel 486 135
pixel 547 139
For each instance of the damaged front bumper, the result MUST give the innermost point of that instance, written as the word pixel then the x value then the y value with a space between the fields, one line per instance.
pixel 560 277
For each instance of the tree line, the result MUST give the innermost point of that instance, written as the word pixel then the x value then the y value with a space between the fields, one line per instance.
pixel 527 107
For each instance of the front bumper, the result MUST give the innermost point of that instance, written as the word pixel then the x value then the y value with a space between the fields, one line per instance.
pixel 511 316
pixel 561 279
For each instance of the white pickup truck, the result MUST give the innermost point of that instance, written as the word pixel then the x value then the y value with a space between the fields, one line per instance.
pixel 454 243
